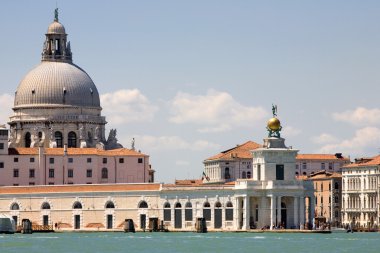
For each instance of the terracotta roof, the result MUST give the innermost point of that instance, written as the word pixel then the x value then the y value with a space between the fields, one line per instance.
pixel 371 162
pixel 78 188
pixel 324 175
pixel 189 182
pixel 76 151
pixel 320 157
pixel 240 151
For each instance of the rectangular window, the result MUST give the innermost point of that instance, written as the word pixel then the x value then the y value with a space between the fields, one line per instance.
pixel 1 165
pixel 31 173
pixel 279 172
pixel 51 173
pixel 89 173
pixel 230 214
pixel 104 160
pixel 15 184
pixel 89 160
pixel 51 160
pixel 140 160
pixel 70 173
pixel 304 167
pixel 121 160
pixel 323 167
pixel 331 166
pixel 15 173
pixel 1 145
pixel 51 183
pixel 31 160
pixel 259 172
pixel 15 159
pixel 167 214
pixel 70 160
pixel 31 183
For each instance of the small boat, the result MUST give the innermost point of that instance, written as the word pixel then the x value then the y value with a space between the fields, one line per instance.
pixel 338 230
pixel 7 224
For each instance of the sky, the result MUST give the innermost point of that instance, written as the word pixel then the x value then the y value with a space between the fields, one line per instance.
pixel 189 79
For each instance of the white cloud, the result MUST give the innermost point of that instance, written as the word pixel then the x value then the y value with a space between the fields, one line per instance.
pixel 360 116
pixel 125 106
pixel 149 142
pixel 324 138
pixel 290 131
pixel 215 112
pixel 365 141
pixel 6 104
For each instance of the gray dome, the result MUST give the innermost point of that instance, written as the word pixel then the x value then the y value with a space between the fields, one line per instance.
pixel 56 28
pixel 57 83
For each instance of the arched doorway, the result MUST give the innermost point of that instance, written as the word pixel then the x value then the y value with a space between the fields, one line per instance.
pixel 283 215
pixel 178 215
pixel 28 140
pixel 218 215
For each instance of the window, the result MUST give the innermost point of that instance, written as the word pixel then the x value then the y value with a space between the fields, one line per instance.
pixel 58 139
pixel 229 211
pixel 143 204
pixel 70 173
pixel 304 173
pixel 1 165
pixel 259 172
pixel 244 174
pixel 207 211
pixel 15 173
pixel 110 204
pixel 51 183
pixel 89 160
pixel 296 173
pixel 51 160
pixel 70 160
pixel 336 186
pixel 31 183
pixel 304 167
pixel 89 173
pixel 227 173
pixel 15 159
pixel 321 187
pixel 31 160
pixel 77 205
pixel 331 166
pixel 167 212
pixel 336 214
pixel 279 172
pixel 188 212
pixel 72 140
pixel 323 167
pixel 104 173
pixel 140 160
pixel 248 174
pixel 51 173
pixel 336 199
pixel 121 160
pixel 15 206
pixel 45 205
pixel 28 140
pixel 104 160
pixel 31 173
pixel 1 145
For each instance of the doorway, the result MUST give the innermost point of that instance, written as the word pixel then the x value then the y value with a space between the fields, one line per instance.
pixel 178 218
pixel 45 220
pixel 143 221
pixel 77 221
pixel 283 214
pixel 109 221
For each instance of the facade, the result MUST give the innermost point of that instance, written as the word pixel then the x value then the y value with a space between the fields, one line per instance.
pixel 361 192
pixel 328 197
pixel 308 164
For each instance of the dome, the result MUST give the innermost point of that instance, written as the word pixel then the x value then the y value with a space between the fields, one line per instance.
pixel 274 124
pixel 57 83
pixel 56 28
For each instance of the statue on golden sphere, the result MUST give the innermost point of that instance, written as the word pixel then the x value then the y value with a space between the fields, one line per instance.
pixel 274 125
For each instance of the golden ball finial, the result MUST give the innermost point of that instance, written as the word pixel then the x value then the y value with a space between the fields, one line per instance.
pixel 274 124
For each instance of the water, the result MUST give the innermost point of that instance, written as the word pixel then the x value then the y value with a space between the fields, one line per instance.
pixel 190 242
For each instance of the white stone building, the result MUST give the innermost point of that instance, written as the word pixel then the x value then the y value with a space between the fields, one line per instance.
pixel 308 164
pixel 361 192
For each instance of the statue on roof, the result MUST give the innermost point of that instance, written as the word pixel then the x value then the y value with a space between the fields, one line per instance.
pixel 133 144
pixel 274 110
pixel 274 125
pixel 56 15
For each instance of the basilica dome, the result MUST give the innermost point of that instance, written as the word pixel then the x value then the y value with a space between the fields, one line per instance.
pixel 57 83
pixel 56 28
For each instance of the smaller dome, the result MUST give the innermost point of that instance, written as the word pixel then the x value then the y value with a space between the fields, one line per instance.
pixel 274 124
pixel 56 28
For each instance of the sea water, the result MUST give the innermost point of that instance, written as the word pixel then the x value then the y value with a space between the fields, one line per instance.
pixel 190 242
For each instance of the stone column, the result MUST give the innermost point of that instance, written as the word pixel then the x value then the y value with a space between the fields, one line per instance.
pixel 246 210
pixel 237 213
pixel 272 211
pixel 312 209
pixel 278 211
pixel 295 208
pixel 302 210
pixel 262 210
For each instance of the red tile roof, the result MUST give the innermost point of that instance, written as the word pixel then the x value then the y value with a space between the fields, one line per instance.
pixel 319 157
pixel 371 162
pixel 240 151
pixel 76 151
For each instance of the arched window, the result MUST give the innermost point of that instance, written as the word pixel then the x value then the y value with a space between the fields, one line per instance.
pixel 304 173
pixel 227 173
pixel 188 212
pixel 72 140
pixel 336 199
pixel 207 211
pixel 248 174
pixel 178 205
pixel 110 204
pixel 336 186
pixel 218 205
pixel 244 174
pixel 28 140
pixel 45 205
pixel 167 212
pixel 143 204
pixel 77 205
pixel 296 173
pixel 104 173
pixel 58 139
pixel 229 211
pixel 15 206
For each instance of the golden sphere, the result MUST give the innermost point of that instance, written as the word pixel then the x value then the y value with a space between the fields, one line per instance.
pixel 274 124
